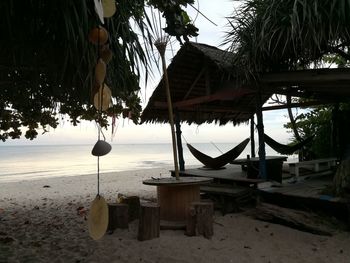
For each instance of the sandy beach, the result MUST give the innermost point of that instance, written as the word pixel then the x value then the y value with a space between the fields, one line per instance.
pixel 39 222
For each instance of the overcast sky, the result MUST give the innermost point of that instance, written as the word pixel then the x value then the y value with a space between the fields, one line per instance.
pixel 127 132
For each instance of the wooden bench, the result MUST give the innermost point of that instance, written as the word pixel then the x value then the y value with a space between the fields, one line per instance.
pixel 314 165
pixel 228 197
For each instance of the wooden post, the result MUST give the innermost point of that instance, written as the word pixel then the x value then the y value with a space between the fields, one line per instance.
pixel 179 141
pixel 260 126
pixel 118 216
pixel 252 140
pixel 149 223
pixel 200 220
pixel 161 46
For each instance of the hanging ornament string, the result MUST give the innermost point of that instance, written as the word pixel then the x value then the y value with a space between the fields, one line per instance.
pixel 99 116
pixel 101 92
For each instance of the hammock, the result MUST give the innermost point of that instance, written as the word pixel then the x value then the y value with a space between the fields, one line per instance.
pixel 220 161
pixel 286 149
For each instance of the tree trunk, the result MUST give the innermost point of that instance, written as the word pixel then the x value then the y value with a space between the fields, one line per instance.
pixel 292 120
pixel 200 220
pixel 149 223
pixel 118 216
pixel 341 181
pixel 294 126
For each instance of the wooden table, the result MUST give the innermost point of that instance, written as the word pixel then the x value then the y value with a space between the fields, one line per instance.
pixel 229 174
pixel 175 196
pixel 273 166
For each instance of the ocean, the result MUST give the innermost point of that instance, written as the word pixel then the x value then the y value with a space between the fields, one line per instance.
pixel 30 162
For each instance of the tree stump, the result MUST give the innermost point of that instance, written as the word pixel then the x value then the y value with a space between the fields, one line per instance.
pixel 134 206
pixel 118 216
pixel 149 223
pixel 200 219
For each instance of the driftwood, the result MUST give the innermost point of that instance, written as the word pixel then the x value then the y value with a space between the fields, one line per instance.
pixel 301 220
pixel 200 220
pixel 118 216
pixel 149 223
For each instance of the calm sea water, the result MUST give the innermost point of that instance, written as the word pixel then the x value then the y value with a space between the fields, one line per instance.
pixel 31 162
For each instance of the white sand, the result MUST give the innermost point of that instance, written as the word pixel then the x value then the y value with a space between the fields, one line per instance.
pixel 40 224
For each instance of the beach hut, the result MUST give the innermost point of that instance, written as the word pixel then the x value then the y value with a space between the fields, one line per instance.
pixel 206 87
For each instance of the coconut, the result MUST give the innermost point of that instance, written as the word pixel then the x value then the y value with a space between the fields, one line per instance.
pixel 98 35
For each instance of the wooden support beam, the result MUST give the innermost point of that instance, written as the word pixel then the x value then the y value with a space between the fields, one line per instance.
pixel 179 141
pixel 207 108
pixel 294 105
pixel 195 82
pixel 252 139
pixel 225 95
pixel 302 76
pixel 260 126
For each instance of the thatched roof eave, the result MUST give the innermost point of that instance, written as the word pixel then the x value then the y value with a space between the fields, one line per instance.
pixel 205 88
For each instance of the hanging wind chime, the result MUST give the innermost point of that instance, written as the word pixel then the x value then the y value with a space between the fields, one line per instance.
pixel 98 214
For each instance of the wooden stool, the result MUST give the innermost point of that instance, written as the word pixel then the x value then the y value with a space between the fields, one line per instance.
pixel 149 223
pixel 200 220
pixel 133 203
pixel 118 216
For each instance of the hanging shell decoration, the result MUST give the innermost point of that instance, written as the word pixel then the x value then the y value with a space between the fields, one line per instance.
pixel 100 72
pixel 98 35
pixel 106 54
pixel 98 218
pixel 109 8
pixel 103 98
pixel 99 10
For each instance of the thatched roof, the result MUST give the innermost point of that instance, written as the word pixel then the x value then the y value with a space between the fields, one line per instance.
pixel 204 87
pixel 326 85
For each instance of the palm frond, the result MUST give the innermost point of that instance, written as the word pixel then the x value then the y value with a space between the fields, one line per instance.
pixel 286 34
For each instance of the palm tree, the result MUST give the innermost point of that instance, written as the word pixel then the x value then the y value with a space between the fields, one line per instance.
pixel 273 35
pixel 288 34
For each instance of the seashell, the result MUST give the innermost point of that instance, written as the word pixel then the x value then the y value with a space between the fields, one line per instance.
pixel 98 35
pixel 101 148
pixel 106 54
pixel 100 72
pixel 109 8
pixel 102 98
pixel 99 10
